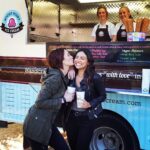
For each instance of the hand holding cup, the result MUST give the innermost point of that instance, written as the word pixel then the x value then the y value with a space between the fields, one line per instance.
pixel 69 94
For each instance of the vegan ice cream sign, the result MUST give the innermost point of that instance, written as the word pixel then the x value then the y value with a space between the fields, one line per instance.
pixel 12 22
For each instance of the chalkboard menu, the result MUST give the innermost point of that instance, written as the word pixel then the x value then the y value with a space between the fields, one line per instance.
pixel 112 52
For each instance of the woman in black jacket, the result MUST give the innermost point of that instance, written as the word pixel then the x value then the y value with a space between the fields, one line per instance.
pixel 39 126
pixel 81 120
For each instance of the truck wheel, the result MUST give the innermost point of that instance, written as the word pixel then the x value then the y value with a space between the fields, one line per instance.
pixel 113 133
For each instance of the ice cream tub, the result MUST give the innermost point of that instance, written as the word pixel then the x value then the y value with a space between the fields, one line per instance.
pixel 135 36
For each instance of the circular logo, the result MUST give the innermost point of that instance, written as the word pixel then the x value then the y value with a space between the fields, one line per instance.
pixel 12 22
pixel 123 34
pixel 101 33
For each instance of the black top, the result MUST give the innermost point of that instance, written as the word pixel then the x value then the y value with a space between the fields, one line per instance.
pixel 95 94
pixel 121 34
pixel 102 34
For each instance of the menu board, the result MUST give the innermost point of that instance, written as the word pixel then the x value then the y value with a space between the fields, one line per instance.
pixel 113 52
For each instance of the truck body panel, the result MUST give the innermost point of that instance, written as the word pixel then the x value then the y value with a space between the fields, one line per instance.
pixel 22 63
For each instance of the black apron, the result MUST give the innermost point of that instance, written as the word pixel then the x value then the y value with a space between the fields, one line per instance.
pixel 102 34
pixel 121 34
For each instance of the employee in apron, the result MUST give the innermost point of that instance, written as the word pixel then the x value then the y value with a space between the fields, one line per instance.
pixel 120 29
pixel 104 30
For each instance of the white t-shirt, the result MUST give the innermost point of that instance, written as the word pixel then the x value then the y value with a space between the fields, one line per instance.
pixel 111 28
pixel 117 27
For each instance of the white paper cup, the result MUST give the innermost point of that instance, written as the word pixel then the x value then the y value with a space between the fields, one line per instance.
pixel 80 97
pixel 71 89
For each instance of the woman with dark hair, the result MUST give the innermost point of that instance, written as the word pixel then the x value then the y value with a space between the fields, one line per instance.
pixel 39 126
pixel 104 30
pixel 81 120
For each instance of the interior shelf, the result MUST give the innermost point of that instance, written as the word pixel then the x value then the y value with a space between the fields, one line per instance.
pixel 85 24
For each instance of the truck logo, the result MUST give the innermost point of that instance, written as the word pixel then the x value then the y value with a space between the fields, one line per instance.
pixel 12 23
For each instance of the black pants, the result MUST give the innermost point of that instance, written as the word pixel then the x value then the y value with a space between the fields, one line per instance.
pixel 56 141
pixel 79 131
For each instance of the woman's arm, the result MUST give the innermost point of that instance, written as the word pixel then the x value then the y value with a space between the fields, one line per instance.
pixel 114 38
pixel 71 73
pixel 113 33
pixel 100 91
pixel 93 34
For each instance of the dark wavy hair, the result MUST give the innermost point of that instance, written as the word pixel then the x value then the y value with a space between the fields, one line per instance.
pixel 55 58
pixel 90 70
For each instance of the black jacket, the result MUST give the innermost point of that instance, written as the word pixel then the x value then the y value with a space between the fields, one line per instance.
pixel 42 114
pixel 95 94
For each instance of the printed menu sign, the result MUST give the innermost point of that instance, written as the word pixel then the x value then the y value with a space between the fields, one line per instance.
pixel 117 52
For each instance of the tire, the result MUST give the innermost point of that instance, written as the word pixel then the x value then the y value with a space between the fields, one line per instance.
pixel 112 132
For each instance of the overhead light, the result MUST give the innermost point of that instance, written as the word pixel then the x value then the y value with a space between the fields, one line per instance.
pixel 94 1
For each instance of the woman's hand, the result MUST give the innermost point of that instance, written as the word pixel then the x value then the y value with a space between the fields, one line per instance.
pixel 85 104
pixel 71 73
pixel 69 96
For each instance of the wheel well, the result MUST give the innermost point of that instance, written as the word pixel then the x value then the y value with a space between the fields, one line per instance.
pixel 119 117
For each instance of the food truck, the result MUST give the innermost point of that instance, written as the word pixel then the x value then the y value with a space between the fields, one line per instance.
pixel 26 38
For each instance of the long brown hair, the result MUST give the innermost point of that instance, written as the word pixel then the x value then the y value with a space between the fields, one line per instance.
pixel 102 6
pixel 55 58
